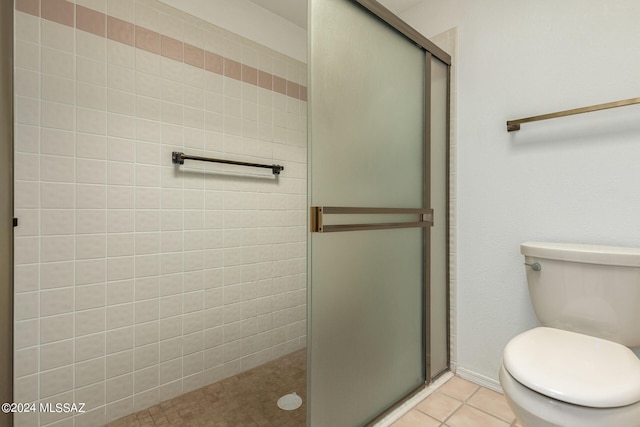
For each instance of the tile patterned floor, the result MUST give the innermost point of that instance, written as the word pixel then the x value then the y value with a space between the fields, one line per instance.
pixel 245 400
pixel 460 403
pixel 249 399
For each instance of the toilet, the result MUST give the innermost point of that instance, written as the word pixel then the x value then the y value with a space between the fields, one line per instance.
pixel 577 368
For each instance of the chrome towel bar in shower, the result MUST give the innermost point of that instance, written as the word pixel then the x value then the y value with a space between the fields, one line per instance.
pixel 513 125
pixel 179 158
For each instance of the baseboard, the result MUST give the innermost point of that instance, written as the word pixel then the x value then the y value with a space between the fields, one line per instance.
pixel 479 379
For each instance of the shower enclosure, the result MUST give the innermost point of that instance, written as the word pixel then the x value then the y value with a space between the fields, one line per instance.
pixel 378 191
pixel 137 280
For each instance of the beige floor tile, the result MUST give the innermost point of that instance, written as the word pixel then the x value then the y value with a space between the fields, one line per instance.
pixel 493 403
pixel 439 406
pixel 415 418
pixel 468 416
pixel 459 389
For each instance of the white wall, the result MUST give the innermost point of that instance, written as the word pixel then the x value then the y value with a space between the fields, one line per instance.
pixel 249 20
pixel 572 179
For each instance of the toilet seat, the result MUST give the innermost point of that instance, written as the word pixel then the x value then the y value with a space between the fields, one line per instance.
pixel 535 410
pixel 574 368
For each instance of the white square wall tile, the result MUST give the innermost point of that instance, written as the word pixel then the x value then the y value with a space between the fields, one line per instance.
pixel 56 301
pixel 29 222
pixel 90 171
pixel 147 310
pixel 26 306
pixel 90 246
pixel 91 71
pixel 121 126
pixel 56 355
pixel 89 347
pixel 147 288
pixel 147 398
pixel 56 275
pixel 26 278
pixel 57 36
pixel 27 84
pixel 57 222
pixel 26 362
pixel 27 167
pixel 119 340
pixel 147 198
pixel 121 78
pixel 120 102
pixel 119 409
pixel 119 316
pixel 93 396
pixel 90 45
pixel 148 108
pixel 57 169
pixel 57 195
pixel 90 321
pixel 147 265
pixel 57 142
pixel 120 292
pixel 58 89
pixel 146 333
pixel 147 243
pixel 151 131
pixel 119 363
pixel 56 381
pixel 171 349
pixel 91 121
pixel 91 221
pixel 90 146
pixel 27 27
pixel 120 268
pixel 26 194
pixel 120 197
pixel 90 196
pixel 58 116
pixel 119 388
pixel 145 379
pixel 119 173
pixel 56 328
pixel 89 95
pixel 90 296
pixel 90 271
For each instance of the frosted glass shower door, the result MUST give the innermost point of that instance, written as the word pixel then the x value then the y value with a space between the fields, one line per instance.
pixel 369 192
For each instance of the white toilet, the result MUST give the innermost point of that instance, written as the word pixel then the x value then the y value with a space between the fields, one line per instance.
pixel 577 370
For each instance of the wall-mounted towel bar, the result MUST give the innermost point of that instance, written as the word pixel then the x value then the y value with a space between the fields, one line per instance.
pixel 179 158
pixel 513 125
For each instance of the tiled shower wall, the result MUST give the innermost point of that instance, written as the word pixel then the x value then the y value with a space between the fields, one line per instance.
pixel 137 280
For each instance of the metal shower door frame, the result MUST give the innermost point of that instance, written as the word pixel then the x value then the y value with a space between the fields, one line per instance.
pixel 426 219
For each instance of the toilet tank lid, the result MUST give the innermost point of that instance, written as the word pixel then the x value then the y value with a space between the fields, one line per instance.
pixel 574 368
pixel 591 254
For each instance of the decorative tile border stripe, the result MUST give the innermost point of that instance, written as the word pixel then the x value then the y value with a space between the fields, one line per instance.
pixel 103 25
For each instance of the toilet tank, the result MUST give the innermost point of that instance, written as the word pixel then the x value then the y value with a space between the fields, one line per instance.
pixel 593 290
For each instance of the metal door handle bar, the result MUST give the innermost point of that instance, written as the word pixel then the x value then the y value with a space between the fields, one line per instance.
pixel 179 158
pixel 317 213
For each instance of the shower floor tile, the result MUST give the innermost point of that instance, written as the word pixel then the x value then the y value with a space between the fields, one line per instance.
pixel 245 400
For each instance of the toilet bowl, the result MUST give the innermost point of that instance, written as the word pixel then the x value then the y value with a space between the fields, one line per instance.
pixel 556 378
pixel 577 369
